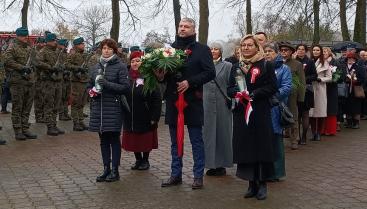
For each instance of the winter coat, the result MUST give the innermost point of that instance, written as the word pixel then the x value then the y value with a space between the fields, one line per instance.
pixel 332 92
pixel 310 76
pixel 105 108
pixel 232 59
pixel 284 84
pixel 252 142
pixel 198 70
pixel 217 132
pixel 319 90
pixel 143 108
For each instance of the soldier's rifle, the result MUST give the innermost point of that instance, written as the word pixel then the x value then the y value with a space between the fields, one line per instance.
pixel 30 62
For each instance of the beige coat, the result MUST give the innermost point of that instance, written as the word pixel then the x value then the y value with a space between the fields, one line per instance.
pixel 319 88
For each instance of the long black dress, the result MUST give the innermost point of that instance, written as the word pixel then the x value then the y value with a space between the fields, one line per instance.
pixel 252 144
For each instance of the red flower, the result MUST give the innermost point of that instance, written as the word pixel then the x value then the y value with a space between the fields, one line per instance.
pixel 188 52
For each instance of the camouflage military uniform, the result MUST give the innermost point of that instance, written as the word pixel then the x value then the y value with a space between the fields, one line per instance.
pixel 66 89
pixel 39 94
pixel 51 76
pixel 21 82
pixel 79 79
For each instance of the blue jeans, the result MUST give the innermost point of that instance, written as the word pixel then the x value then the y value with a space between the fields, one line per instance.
pixel 197 144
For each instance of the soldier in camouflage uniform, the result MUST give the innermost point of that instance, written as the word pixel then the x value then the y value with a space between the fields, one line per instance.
pixel 66 83
pixel 39 95
pixel 51 75
pixel 77 64
pixel 2 76
pixel 18 61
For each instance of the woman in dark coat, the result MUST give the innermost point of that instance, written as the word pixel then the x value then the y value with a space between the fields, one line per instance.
pixel 311 76
pixel 356 76
pixel 252 137
pixel 140 123
pixel 108 81
pixel 330 125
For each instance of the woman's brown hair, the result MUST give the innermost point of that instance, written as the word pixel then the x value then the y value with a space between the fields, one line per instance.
pixel 110 43
pixel 321 57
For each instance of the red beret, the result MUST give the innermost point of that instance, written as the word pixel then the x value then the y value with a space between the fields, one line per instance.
pixel 136 54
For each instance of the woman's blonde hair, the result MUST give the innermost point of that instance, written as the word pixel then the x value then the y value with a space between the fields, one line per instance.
pixel 328 49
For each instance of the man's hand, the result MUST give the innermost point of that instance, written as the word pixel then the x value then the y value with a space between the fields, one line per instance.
pixel 160 74
pixel 182 86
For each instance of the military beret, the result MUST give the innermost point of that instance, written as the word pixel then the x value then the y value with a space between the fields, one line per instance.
pixel 50 37
pixel 40 40
pixel 22 31
pixel 78 41
pixel 47 32
pixel 63 42
pixel 134 48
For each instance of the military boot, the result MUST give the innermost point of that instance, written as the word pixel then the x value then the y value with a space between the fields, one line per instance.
pixel 29 134
pixel 59 131
pixel 77 127
pixel 19 135
pixel 85 127
pixel 52 131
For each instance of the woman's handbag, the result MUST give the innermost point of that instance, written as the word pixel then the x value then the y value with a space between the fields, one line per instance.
pixel 286 116
pixel 359 92
pixel 343 90
pixel 229 101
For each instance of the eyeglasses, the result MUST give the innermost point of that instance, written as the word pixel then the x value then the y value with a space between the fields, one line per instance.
pixel 284 50
pixel 248 45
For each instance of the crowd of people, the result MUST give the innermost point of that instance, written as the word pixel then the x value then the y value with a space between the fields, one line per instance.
pixel 234 105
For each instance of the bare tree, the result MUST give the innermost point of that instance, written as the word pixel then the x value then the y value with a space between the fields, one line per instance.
pixel 343 20
pixel 248 17
pixel 115 28
pixel 64 31
pixel 25 13
pixel 204 21
pixel 360 22
pixel 240 5
pixel 316 21
pixel 92 22
pixel 177 13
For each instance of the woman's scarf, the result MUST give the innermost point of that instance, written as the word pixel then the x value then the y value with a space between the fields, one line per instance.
pixel 104 60
pixel 134 74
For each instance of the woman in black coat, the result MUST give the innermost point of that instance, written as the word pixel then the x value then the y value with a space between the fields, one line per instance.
pixel 253 149
pixel 108 82
pixel 141 122
pixel 356 76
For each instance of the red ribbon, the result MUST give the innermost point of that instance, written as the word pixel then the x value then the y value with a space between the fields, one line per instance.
pixel 180 132
pixel 244 96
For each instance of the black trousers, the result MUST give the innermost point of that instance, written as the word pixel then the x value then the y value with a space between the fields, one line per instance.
pixel 110 144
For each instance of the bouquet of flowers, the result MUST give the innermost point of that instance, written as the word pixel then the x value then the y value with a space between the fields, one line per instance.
pixel 336 73
pixel 169 60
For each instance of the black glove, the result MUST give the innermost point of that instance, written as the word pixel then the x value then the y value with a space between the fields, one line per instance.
pixel 319 80
pixel 102 81
pixel 26 69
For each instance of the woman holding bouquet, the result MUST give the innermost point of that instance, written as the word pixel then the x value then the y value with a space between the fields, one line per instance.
pixel 141 122
pixel 108 81
pixel 253 80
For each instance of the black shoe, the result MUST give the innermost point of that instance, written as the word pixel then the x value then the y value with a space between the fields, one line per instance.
pixel 136 165
pixel 262 192
pixel 52 131
pixel 211 172
pixel 29 135
pixel 172 181
pixel 59 131
pixel 2 142
pixel 106 172
pixel 198 183
pixel 220 172
pixel 114 175
pixel 316 137
pixel 252 190
pixel 20 136
pixel 144 165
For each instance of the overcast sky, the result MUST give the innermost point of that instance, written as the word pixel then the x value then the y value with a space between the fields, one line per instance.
pixel 220 20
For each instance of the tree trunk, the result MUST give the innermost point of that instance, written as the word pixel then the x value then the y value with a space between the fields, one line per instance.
pixel 343 20
pixel 248 17
pixel 204 21
pixel 360 23
pixel 177 13
pixel 115 29
pixel 316 21
pixel 25 13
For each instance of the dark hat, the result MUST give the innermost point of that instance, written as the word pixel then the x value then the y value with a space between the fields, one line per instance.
pixel 22 31
pixel 78 41
pixel 50 37
pixel 136 54
pixel 63 42
pixel 286 44
pixel 134 48
pixel 40 40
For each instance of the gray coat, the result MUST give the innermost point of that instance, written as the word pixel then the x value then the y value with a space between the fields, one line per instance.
pixel 217 132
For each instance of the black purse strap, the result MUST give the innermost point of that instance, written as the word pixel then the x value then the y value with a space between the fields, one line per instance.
pixel 220 90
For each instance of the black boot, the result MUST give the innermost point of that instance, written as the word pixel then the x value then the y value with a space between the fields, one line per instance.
pixel 19 135
pixel 252 189
pixel 114 175
pixel 144 165
pixel 136 165
pixel 106 172
pixel 262 192
pixel 2 142
pixel 59 131
pixel 355 124
pixel 303 140
pixel 77 127
pixel 349 123
pixel 29 135
pixel 317 137
pixel 52 131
